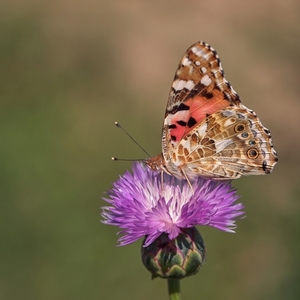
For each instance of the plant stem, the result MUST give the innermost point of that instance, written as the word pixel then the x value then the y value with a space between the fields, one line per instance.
pixel 174 289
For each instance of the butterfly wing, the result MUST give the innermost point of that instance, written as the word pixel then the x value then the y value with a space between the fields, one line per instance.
pixel 198 138
pixel 199 89
pixel 227 144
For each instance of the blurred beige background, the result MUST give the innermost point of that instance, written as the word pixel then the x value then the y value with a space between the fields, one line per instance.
pixel 69 69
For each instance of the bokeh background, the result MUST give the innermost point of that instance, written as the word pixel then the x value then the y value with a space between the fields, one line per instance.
pixel 68 71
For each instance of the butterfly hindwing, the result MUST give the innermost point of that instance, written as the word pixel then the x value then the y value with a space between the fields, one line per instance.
pixel 227 144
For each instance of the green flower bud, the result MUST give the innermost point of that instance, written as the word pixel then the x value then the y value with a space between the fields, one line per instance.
pixel 177 258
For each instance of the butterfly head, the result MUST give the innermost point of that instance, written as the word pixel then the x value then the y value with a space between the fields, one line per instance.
pixel 157 163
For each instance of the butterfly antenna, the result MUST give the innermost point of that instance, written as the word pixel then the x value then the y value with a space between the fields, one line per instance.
pixel 127 159
pixel 119 126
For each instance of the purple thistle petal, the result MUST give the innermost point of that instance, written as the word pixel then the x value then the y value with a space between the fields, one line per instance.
pixel 141 205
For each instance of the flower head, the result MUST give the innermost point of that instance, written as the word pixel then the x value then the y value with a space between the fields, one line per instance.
pixel 142 204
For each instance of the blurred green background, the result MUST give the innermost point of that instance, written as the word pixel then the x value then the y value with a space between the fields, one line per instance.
pixel 69 69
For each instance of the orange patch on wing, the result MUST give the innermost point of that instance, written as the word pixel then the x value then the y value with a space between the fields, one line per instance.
pixel 200 106
pixel 179 131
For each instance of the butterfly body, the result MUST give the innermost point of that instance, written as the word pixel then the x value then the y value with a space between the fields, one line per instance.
pixel 207 132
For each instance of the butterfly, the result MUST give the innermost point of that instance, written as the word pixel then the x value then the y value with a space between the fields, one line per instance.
pixel 207 132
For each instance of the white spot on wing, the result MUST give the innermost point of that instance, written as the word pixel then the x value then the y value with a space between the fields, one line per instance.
pixel 181 84
pixel 189 85
pixel 229 122
pixel 202 129
pixel 197 51
pixel 206 80
pixel 203 69
pixel 186 62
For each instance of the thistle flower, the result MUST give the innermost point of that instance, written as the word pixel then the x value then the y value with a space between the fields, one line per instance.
pixel 142 204
pixel 165 213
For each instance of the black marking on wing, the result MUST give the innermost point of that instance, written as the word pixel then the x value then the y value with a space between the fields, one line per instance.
pixel 172 126
pixel 264 166
pixel 181 123
pixel 191 122
pixel 177 108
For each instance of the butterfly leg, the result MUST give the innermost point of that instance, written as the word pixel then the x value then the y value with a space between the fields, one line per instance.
pixel 162 183
pixel 187 179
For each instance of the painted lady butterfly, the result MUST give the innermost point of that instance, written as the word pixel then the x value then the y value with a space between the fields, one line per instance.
pixel 207 132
